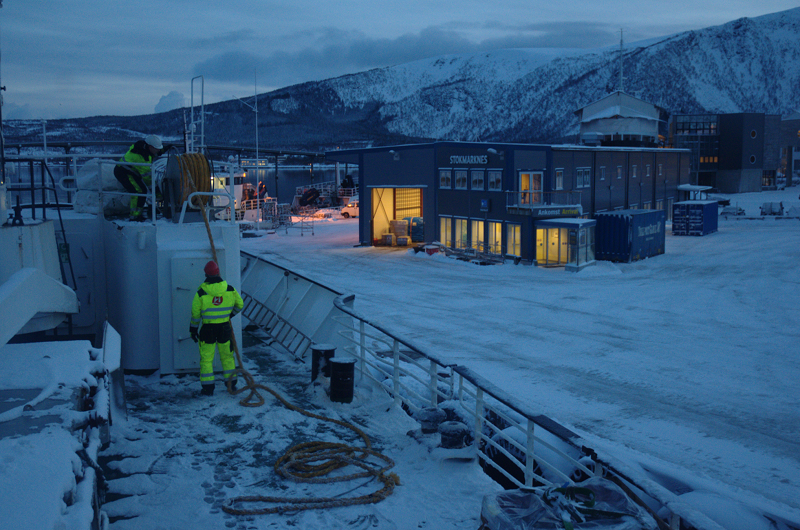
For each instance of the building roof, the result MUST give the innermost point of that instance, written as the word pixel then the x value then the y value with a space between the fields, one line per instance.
pixel 618 104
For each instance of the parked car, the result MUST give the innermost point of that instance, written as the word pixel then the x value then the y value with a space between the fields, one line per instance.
pixel 351 210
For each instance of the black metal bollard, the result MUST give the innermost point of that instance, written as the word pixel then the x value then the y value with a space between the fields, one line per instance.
pixel 342 379
pixel 321 355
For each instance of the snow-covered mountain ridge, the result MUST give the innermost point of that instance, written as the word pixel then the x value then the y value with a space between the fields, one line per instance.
pixel 748 65
pixel 513 95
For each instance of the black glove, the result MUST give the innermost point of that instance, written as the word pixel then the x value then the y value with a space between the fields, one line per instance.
pixel 193 333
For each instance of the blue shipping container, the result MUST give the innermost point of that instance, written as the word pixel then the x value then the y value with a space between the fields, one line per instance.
pixel 629 235
pixel 695 218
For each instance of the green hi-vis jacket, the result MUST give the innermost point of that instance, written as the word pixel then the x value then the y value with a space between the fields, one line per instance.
pixel 139 154
pixel 215 302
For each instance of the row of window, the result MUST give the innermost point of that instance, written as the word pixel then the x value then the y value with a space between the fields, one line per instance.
pixel 583 175
pixel 480 235
pixel 492 179
pixel 474 179
pixel 697 125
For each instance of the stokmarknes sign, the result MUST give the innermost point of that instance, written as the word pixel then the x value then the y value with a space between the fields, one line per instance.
pixel 469 159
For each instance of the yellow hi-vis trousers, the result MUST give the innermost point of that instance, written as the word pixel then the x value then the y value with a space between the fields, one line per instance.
pixel 207 361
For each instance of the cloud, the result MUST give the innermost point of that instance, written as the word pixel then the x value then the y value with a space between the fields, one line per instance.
pixel 554 35
pixel 173 100
pixel 330 52
pixel 229 66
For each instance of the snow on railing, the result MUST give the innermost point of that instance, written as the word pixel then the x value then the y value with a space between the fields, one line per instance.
pixel 514 445
pixel 418 380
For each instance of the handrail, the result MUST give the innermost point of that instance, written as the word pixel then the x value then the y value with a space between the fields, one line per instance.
pixel 535 448
pixel 537 199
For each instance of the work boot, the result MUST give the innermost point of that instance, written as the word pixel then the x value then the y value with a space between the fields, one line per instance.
pixel 207 390
pixel 234 382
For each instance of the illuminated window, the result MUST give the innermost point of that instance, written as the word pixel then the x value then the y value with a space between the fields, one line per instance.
pixel 445 226
pixel 495 237
pixel 633 172
pixel 461 239
pixel 476 239
pixel 559 179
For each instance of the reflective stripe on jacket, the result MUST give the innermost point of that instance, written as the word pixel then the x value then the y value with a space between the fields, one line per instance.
pixel 215 302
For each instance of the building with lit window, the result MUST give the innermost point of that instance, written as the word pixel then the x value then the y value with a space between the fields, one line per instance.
pixel 733 153
pixel 490 197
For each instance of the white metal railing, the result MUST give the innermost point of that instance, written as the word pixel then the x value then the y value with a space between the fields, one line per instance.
pixel 418 380
pixel 513 443
pixel 536 199
pixel 326 189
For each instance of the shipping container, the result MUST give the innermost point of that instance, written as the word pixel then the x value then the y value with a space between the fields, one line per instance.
pixel 629 235
pixel 695 218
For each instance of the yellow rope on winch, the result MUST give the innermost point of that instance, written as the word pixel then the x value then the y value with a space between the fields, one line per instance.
pixel 195 176
pixel 304 462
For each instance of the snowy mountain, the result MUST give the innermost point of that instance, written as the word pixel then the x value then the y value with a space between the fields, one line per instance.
pixel 518 95
pixel 749 65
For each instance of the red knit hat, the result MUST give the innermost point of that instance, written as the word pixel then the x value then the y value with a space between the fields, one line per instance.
pixel 211 269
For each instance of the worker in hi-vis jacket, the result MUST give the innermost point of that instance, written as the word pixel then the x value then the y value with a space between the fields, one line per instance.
pixel 213 306
pixel 137 179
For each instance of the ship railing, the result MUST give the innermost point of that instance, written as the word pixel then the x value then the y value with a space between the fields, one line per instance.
pixel 41 181
pixel 412 375
pixel 418 380
pixel 152 197
pixel 327 189
pixel 513 443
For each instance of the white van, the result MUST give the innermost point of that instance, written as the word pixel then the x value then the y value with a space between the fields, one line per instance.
pixel 351 210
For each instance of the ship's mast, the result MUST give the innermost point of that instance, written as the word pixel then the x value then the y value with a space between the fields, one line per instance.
pixel 2 138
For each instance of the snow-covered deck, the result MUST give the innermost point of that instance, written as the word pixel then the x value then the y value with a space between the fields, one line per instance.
pixel 181 457
pixel 54 407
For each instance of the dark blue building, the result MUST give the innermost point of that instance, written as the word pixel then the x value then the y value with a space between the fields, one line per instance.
pixel 489 196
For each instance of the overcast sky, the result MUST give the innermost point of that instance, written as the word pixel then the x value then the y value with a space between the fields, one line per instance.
pixel 79 58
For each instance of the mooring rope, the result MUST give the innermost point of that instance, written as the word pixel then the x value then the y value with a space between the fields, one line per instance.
pixel 308 461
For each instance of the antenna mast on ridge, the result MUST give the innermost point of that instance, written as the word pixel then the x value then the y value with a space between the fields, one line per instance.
pixel 621 77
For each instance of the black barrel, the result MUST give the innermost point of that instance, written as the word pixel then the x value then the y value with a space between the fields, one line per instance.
pixel 342 379
pixel 321 355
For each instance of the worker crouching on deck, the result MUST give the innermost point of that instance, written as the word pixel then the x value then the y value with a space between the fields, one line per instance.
pixel 213 306
pixel 137 179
